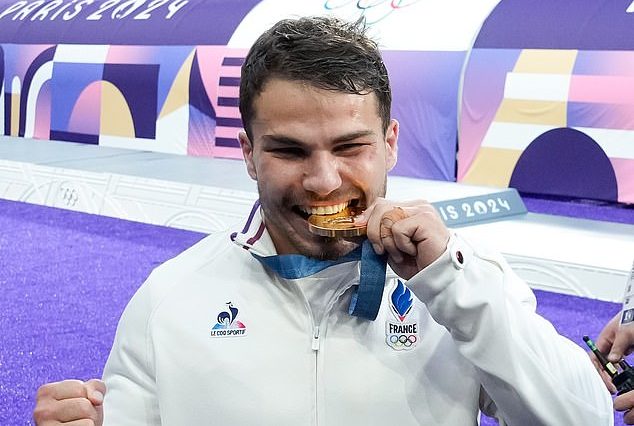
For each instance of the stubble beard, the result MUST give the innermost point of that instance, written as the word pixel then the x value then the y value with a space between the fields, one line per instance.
pixel 318 247
pixel 305 243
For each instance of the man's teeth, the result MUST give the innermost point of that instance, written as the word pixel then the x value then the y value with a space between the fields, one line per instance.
pixel 325 209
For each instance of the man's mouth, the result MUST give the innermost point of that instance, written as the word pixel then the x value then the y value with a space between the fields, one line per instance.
pixel 306 211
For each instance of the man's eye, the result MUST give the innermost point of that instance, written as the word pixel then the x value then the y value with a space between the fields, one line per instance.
pixel 349 147
pixel 288 152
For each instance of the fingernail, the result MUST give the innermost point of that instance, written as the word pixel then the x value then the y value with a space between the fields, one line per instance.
pixel 377 248
pixel 613 357
pixel 97 396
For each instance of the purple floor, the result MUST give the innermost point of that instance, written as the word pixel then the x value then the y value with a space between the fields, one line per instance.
pixel 66 277
pixel 583 209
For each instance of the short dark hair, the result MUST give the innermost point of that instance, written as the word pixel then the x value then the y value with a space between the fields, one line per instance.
pixel 325 52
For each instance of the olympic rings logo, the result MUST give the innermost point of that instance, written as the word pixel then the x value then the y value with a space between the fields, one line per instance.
pixel 403 340
pixel 368 4
pixel 373 10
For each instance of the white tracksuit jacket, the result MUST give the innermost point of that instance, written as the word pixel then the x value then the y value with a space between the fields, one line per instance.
pixel 215 338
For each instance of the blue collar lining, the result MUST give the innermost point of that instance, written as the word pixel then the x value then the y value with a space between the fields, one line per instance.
pixel 366 300
pixel 294 266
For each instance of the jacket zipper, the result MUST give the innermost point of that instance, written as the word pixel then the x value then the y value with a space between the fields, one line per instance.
pixel 316 344
pixel 316 336
pixel 315 347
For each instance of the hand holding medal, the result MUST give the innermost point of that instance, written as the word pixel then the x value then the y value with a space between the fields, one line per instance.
pixel 411 233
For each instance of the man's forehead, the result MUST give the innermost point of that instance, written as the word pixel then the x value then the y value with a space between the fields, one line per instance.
pixel 281 99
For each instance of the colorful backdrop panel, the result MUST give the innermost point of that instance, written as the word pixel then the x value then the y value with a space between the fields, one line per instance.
pixel 163 75
pixel 547 108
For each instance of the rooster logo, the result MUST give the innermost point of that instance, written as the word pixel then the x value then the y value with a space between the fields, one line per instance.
pixel 227 319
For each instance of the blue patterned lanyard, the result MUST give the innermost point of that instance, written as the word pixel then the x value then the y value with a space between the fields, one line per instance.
pixel 366 300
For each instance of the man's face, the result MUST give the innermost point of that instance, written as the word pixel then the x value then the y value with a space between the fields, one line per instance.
pixel 315 151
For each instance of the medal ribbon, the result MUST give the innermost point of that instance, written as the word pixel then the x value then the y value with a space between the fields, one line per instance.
pixel 366 300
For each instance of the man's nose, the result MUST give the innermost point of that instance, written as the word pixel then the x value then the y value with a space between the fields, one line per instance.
pixel 321 174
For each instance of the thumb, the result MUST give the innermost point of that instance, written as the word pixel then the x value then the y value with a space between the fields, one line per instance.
pixel 95 389
pixel 622 341
pixel 362 217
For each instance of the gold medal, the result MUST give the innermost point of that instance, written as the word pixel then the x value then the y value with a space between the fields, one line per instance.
pixel 337 225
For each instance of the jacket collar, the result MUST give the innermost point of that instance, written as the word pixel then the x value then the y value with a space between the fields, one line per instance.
pixel 255 238
pixel 366 300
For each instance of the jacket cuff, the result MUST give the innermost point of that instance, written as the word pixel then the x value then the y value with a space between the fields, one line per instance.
pixel 443 271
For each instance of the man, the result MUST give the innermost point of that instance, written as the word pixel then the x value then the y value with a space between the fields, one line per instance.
pixel 254 327
pixel 617 341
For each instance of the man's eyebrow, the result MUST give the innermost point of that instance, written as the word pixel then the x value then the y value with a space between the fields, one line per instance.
pixel 354 135
pixel 287 140
pixel 282 140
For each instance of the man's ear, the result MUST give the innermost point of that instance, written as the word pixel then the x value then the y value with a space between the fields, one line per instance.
pixel 391 145
pixel 247 152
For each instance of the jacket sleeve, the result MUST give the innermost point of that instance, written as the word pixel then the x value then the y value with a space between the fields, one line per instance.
pixel 131 397
pixel 533 375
